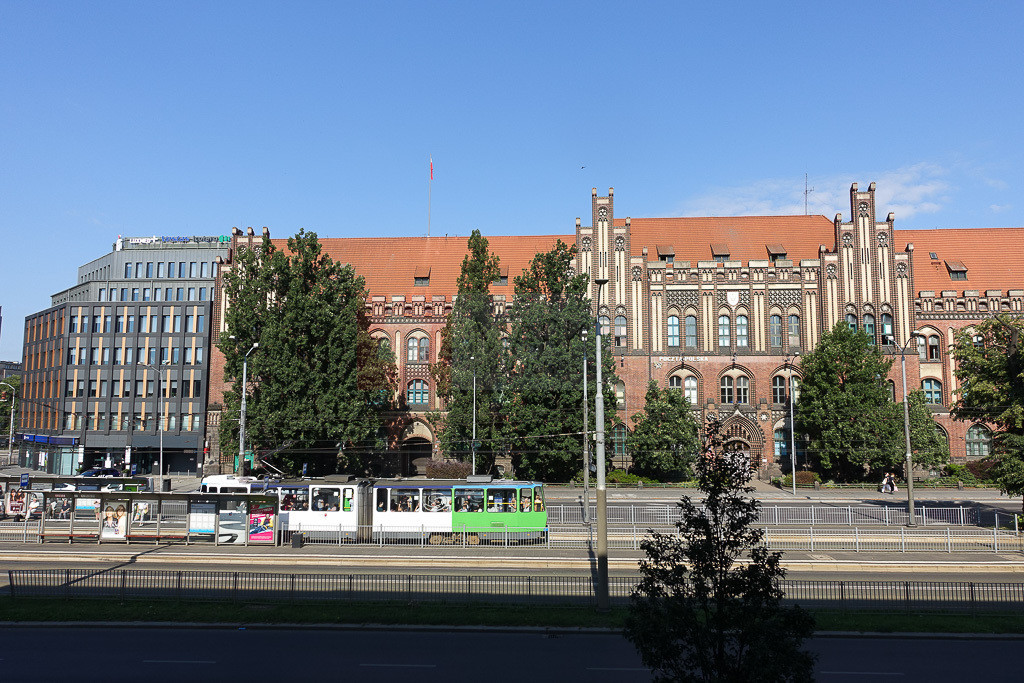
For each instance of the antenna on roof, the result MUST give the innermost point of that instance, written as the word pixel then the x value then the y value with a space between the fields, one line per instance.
pixel 807 191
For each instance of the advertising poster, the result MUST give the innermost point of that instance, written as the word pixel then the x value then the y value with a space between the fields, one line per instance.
pixel 202 518
pixel 114 520
pixel 261 522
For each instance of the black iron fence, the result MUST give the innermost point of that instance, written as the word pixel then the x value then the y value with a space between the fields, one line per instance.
pixel 134 584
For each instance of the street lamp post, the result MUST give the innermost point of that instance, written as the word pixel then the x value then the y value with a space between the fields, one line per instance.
pixel 602 494
pixel 472 449
pixel 586 442
pixel 241 422
pixel 10 436
pixel 906 431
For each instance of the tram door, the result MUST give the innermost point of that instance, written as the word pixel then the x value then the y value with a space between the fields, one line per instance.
pixel 364 506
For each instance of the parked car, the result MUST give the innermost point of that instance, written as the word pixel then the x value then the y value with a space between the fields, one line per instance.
pixel 101 472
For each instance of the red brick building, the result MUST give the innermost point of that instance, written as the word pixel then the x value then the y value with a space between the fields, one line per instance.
pixel 720 307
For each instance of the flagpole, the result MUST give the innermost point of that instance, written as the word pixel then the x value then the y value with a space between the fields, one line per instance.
pixel 430 187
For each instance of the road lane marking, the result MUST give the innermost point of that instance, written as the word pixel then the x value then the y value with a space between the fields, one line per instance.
pixel 617 668
pixel 862 673
pixel 178 661
pixel 402 666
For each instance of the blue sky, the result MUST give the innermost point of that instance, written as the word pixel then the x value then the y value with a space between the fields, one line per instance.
pixel 142 118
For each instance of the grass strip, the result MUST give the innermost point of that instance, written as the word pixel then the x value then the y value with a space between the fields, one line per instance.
pixel 445 614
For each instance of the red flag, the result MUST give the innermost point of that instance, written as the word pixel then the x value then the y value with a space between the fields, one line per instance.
pixel 431 168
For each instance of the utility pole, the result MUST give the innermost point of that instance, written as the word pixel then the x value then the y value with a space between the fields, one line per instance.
pixel 603 604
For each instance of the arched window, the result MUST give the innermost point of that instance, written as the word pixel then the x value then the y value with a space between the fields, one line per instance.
pixel 604 323
pixel 775 330
pixel 673 330
pixel 675 382
pixel 424 349
pixel 418 392
pixel 887 338
pixel 690 390
pixel 933 347
pixel 891 386
pixel 743 390
pixel 932 391
pixel 724 334
pixel 979 442
pixel 414 352
pixel 778 389
pixel 794 331
pixel 620 395
pixel 922 348
pixel 619 435
pixel 869 328
pixel 620 330
pixel 742 336
pixel 691 331
pixel 726 390
pixel 851 322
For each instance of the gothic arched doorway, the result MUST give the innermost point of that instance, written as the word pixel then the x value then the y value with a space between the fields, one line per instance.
pixel 415 454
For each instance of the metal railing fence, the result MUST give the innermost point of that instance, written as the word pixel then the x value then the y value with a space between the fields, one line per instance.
pixel 781 515
pixel 134 584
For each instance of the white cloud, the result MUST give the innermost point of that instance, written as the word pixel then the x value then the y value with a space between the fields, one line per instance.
pixel 920 188
pixel 998 208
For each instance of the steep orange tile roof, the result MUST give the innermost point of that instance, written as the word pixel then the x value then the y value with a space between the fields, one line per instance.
pixel 994 257
pixel 389 264
pixel 747 237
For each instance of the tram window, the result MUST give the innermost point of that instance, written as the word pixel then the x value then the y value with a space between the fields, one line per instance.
pixel 405 500
pixel 538 500
pixel 469 500
pixel 526 500
pixel 346 499
pixel 437 501
pixel 382 500
pixel 294 499
pixel 501 500
pixel 326 499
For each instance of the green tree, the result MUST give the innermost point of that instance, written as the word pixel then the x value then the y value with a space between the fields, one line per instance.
pixel 990 371
pixel 664 440
pixel 698 616
pixel 926 442
pixel 844 406
pixel 9 396
pixel 308 395
pixel 545 360
pixel 471 345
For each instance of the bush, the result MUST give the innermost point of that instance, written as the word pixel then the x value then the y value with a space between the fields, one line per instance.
pixel 623 477
pixel 981 469
pixel 449 469
pixel 803 478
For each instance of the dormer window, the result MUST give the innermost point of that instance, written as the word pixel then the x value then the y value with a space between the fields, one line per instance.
pixel 957 270
pixel 502 279
pixel 776 252
pixel 933 256
pixel 666 253
pixel 720 252
pixel 421 278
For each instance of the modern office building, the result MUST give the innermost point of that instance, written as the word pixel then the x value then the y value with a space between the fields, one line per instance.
pixel 118 364
pixel 721 308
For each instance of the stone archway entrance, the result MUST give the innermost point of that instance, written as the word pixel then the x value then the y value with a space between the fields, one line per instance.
pixel 741 435
pixel 415 454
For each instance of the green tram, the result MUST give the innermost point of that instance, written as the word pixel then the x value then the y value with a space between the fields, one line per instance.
pixel 470 511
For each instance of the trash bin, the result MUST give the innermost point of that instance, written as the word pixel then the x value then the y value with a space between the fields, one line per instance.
pixel 298 540
pixel 165 485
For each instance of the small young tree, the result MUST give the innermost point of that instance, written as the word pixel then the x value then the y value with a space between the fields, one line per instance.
pixel 698 616
pixel 664 437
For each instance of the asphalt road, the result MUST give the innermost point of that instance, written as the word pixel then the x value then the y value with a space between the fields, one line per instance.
pixel 106 654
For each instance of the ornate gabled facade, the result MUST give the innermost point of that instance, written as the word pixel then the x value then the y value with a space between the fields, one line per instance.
pixel 720 308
